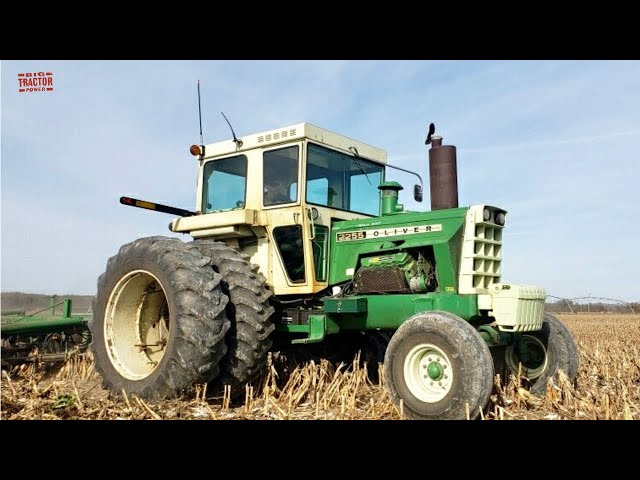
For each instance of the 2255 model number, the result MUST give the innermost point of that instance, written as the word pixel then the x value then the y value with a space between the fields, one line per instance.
pixel 346 236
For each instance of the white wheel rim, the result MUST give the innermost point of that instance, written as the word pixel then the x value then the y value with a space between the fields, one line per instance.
pixel 428 373
pixel 513 362
pixel 136 326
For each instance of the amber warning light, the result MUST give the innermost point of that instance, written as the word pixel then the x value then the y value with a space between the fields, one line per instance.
pixel 195 150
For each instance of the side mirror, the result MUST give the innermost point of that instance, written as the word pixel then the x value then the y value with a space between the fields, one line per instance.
pixel 417 193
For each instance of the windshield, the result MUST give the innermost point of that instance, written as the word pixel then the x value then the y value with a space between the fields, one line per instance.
pixel 339 181
pixel 224 184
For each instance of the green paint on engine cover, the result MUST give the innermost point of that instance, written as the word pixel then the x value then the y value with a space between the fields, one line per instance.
pixel 355 243
pixel 399 259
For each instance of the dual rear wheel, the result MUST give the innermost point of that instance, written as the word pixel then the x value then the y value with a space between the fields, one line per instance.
pixel 170 314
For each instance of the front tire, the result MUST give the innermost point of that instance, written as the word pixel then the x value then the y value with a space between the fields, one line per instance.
pixel 158 321
pixel 543 353
pixel 439 367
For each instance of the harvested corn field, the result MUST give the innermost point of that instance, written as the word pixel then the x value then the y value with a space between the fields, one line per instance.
pixel 608 387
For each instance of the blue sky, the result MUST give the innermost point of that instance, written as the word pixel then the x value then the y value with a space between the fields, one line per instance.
pixel 554 142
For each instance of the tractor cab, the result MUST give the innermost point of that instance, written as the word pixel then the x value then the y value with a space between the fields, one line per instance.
pixel 275 195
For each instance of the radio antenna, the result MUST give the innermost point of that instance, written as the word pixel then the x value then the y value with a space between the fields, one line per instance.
pixel 200 115
pixel 235 139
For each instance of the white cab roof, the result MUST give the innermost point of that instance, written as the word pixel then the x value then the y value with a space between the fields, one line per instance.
pixel 296 132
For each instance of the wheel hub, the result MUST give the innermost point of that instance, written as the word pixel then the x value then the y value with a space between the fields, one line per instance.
pixel 428 373
pixel 136 329
pixel 529 352
pixel 435 371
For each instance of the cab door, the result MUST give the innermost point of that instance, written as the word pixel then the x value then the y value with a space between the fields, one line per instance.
pixel 283 216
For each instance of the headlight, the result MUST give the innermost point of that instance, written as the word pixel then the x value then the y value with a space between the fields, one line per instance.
pixel 500 218
pixel 486 215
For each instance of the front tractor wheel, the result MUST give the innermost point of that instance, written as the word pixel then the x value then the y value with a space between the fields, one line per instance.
pixel 439 367
pixel 159 321
pixel 538 356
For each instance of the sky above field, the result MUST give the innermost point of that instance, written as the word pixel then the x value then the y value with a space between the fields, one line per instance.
pixel 556 143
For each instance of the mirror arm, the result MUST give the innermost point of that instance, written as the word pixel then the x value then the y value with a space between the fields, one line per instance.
pixel 407 171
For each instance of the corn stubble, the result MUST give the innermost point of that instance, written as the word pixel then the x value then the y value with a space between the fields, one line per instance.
pixel 608 388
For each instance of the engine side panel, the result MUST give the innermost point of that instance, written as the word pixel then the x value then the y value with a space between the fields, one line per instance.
pixel 352 241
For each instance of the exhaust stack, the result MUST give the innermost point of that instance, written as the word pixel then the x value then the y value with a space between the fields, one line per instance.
pixel 443 175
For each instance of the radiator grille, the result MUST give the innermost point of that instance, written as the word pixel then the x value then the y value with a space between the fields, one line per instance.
pixel 480 265
pixel 380 280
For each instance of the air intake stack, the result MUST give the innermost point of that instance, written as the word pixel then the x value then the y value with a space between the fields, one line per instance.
pixel 443 174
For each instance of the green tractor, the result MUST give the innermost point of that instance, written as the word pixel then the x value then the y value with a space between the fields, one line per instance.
pixel 299 239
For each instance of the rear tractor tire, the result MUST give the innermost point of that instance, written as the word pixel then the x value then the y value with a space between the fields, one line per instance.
pixel 249 312
pixel 542 354
pixel 159 319
pixel 439 367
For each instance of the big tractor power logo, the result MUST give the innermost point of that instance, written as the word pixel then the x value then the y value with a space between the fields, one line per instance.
pixel 35 82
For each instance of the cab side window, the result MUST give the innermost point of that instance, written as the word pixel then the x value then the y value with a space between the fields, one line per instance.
pixel 280 176
pixel 289 242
